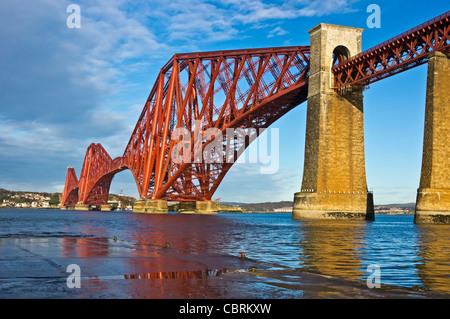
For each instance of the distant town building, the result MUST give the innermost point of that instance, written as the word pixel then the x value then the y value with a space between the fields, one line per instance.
pixel 283 210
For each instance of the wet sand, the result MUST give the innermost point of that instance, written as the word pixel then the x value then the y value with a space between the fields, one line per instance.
pixel 114 269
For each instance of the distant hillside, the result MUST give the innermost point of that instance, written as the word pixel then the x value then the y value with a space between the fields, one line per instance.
pixel 260 207
pixel 52 200
pixel 409 205
pixel 232 203
pixel 406 208
pixel 125 201
pixel 395 209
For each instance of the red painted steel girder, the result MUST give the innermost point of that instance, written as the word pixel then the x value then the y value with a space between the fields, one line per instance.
pixel 403 52
pixel 200 91
pixel 70 192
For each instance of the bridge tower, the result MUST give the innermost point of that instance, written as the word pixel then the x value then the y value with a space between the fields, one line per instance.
pixel 334 182
pixel 433 195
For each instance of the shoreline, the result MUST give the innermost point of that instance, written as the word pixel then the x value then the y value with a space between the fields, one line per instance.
pixel 219 212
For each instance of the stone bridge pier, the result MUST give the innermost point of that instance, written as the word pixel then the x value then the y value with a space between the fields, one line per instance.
pixel 433 195
pixel 334 182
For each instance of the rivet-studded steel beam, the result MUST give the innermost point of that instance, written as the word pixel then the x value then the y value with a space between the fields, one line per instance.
pixel 403 52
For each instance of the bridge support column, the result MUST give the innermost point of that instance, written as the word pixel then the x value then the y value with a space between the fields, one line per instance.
pixel 433 195
pixel 82 207
pixel 206 207
pixel 105 208
pixel 334 178
pixel 151 206
pixel 186 208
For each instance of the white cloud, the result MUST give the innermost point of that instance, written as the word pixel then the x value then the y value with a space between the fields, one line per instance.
pixel 257 10
pixel 254 11
pixel 278 31
pixel 190 23
pixel 325 7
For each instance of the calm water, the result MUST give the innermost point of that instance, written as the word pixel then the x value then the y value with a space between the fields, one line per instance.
pixel 409 255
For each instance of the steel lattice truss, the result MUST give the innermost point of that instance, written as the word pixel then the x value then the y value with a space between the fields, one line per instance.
pixel 96 175
pixel 70 193
pixel 229 89
pixel 197 92
pixel 398 54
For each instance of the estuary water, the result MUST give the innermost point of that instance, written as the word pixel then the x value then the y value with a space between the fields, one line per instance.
pixel 39 243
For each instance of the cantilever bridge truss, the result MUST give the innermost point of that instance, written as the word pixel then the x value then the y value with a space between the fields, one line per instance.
pixel 230 89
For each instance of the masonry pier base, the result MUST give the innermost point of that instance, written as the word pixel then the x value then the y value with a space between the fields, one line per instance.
pixel 433 195
pixel 206 207
pixel 186 207
pixel 151 206
pixel 82 207
pixel 67 208
pixel 105 208
pixel 432 206
pixel 333 206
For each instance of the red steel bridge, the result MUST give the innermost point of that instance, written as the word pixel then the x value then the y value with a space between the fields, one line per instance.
pixel 231 89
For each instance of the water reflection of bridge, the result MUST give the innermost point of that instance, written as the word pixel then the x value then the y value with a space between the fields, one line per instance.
pixel 408 255
pixel 343 249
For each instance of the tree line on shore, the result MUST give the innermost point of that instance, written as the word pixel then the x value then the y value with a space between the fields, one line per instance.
pixel 52 200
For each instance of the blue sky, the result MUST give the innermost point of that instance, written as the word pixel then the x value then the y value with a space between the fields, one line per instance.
pixel 61 88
